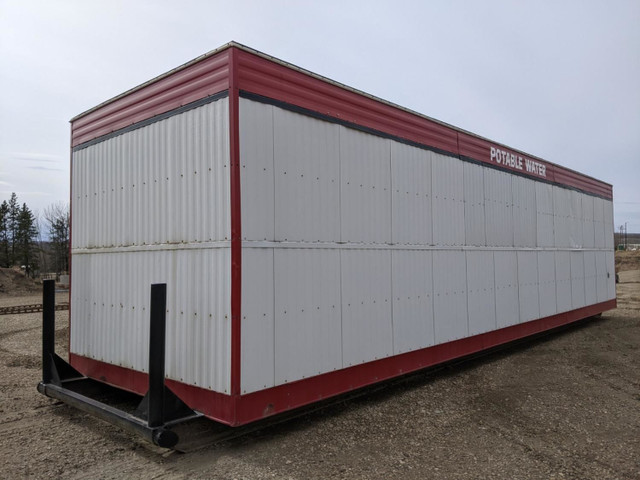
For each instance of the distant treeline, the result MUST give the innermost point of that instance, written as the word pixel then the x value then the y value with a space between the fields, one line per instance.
pixel 21 241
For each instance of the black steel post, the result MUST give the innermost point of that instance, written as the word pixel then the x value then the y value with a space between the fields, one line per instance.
pixel 48 329
pixel 156 354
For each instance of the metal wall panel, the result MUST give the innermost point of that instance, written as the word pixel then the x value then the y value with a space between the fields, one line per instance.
pixel 588 230
pixel 257 170
pixel 507 303
pixel 577 280
pixel 480 291
pixel 411 195
pixel 447 185
pixel 307 178
pixel 524 212
pixel 365 187
pixel 474 219
pixel 590 278
pixel 110 311
pixel 258 324
pixel 498 208
pixel 602 282
pixel 167 182
pixel 307 313
pixel 547 283
pixel 611 274
pixel 528 285
pixel 607 207
pixel 562 217
pixel 367 331
pixel 544 214
pixel 575 220
pixel 598 222
pixel 450 295
pixel 412 287
pixel 563 281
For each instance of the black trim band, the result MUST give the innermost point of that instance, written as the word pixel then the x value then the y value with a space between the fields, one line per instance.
pixel 154 119
pixel 321 116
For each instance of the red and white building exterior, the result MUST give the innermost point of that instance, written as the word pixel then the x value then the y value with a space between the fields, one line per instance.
pixel 314 239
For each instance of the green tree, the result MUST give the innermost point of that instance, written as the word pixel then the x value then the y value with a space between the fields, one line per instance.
pixel 25 240
pixel 56 217
pixel 4 235
pixel 12 226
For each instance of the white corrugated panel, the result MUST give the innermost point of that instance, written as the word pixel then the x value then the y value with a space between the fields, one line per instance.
pixel 498 206
pixel 449 295
pixel 365 187
pixel 598 221
pixel 480 292
pixel 474 220
pixel 307 178
pixel 528 285
pixel 590 278
pixel 167 182
pixel 547 283
pixel 602 282
pixel 575 220
pixel 367 331
pixel 257 173
pixel 544 214
pixel 563 281
pixel 588 231
pixel 447 185
pixel 524 212
pixel 307 313
pixel 110 311
pixel 607 207
pixel 506 274
pixel 411 195
pixel 258 328
pixel 412 300
pixel 562 216
pixel 577 280
pixel 611 275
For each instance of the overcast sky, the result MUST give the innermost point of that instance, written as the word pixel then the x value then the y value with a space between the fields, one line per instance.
pixel 557 79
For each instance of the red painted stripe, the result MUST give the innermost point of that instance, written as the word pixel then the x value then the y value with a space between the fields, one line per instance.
pixel 236 224
pixel 240 410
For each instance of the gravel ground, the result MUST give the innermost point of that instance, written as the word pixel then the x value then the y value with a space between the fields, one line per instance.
pixel 567 406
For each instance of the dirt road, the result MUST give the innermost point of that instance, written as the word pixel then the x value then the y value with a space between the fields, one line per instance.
pixel 567 406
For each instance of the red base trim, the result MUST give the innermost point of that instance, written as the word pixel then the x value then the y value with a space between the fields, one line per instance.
pixel 239 410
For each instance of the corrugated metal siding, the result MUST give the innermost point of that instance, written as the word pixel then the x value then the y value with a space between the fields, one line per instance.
pixel 474 218
pixel 308 338
pixel 607 207
pixel 498 208
pixel 156 184
pixel 575 220
pixel 577 280
pixel 480 291
pixel 544 215
pixel 110 311
pixel 412 285
pixel 547 283
pixel 367 331
pixel 355 291
pixel 588 229
pixel 562 217
pixel 152 205
pixel 598 222
pixel 365 187
pixel 447 185
pixel 602 282
pixel 563 281
pixel 524 212
pixel 450 295
pixel 410 195
pixel 506 274
pixel 307 178
pixel 590 278
pixel 611 273
pixel 528 286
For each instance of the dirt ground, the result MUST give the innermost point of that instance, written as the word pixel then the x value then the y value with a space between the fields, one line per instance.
pixel 564 407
